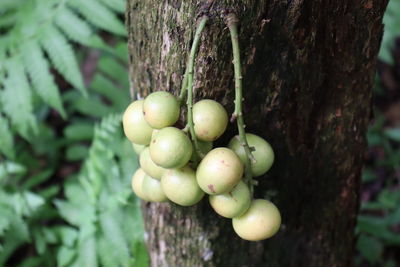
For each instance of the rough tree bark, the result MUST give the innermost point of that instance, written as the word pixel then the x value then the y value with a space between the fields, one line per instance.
pixel 308 70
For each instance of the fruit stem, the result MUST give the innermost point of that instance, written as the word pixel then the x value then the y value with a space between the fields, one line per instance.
pixel 189 88
pixel 195 45
pixel 231 21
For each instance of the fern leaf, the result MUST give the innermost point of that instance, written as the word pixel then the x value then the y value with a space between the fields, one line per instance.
pixel 6 139
pixel 16 98
pixel 62 56
pixel 99 15
pixel 76 28
pixel 38 69
pixel 117 5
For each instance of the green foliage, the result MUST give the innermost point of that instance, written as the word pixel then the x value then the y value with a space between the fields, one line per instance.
pixel 65 194
pixel 98 204
pixel 391 20
pixel 380 213
pixel 37 37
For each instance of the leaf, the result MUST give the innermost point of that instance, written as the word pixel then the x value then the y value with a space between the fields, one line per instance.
pixel 77 29
pixel 370 248
pixel 119 252
pixel 79 131
pixel 104 86
pixel 62 56
pixel 115 70
pixel 68 235
pixel 87 252
pixel 65 256
pixel 16 98
pixel 393 133
pixel 6 139
pixel 117 5
pixel 368 175
pixel 99 15
pixel 92 107
pixel 8 168
pixel 73 26
pixel 38 69
pixel 76 152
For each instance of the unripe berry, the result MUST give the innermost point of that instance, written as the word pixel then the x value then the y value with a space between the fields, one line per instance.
pixel 233 203
pixel 161 109
pixel 149 166
pixel 136 129
pixel 171 148
pixel 219 171
pixel 181 187
pixel 262 220
pixel 210 119
pixel 151 188
pixel 263 153
pixel 136 183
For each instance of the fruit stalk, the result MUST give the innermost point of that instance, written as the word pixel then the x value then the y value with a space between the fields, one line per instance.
pixel 232 21
pixel 189 88
pixel 196 42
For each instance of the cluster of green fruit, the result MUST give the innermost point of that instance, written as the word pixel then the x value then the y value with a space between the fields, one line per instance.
pixel 169 170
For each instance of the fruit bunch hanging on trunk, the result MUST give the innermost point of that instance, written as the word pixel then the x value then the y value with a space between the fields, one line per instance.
pixel 181 165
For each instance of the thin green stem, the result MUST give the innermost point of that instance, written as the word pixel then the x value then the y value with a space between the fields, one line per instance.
pixel 232 21
pixel 195 45
pixel 189 88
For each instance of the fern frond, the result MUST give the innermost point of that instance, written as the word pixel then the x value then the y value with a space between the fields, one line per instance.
pixel 37 67
pixel 117 5
pixel 99 15
pixel 16 98
pixel 62 56
pixel 6 139
pixel 75 28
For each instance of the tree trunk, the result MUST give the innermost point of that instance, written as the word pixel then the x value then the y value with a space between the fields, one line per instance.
pixel 308 70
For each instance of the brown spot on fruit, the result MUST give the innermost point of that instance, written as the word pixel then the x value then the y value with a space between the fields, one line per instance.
pixel 211 187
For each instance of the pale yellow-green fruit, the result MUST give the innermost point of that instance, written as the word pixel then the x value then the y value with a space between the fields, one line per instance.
pixel 161 109
pixel 219 171
pixel 171 148
pixel 234 203
pixel 181 187
pixel 136 129
pixel 152 189
pixel 263 153
pixel 210 119
pixel 138 148
pixel 136 183
pixel 147 164
pixel 261 221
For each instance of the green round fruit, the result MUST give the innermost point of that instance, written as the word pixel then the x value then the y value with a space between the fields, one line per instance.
pixel 136 129
pixel 151 188
pixel 147 164
pixel 181 187
pixel 138 148
pixel 219 171
pixel 263 153
pixel 171 148
pixel 210 119
pixel 262 220
pixel 161 109
pixel 136 183
pixel 233 203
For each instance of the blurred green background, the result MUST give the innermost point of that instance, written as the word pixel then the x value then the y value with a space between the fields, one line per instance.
pixel 65 167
